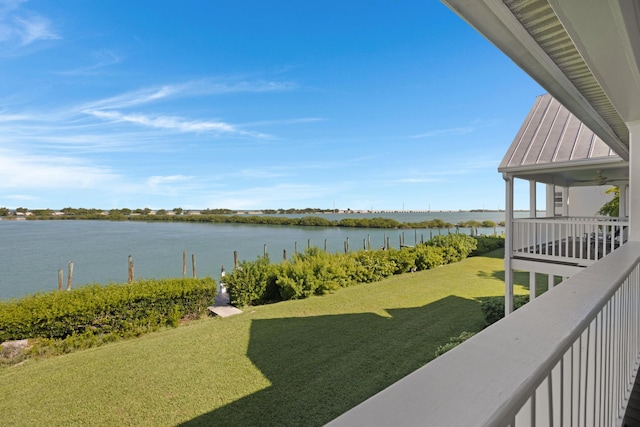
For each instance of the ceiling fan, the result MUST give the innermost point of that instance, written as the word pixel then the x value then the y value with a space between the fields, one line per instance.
pixel 600 179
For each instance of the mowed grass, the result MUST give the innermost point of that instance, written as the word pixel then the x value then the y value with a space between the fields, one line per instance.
pixel 292 363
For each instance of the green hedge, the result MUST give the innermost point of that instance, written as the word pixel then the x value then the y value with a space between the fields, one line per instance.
pixel 493 308
pixel 488 244
pixel 118 309
pixel 316 272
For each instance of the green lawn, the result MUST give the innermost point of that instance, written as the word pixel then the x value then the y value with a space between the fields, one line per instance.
pixel 291 363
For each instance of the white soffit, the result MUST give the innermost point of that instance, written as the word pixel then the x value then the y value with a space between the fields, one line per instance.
pixel 532 35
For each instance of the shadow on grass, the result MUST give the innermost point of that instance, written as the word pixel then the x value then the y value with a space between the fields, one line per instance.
pixel 319 367
pixel 521 278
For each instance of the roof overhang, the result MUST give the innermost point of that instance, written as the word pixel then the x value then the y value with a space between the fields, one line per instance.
pixel 575 173
pixel 583 52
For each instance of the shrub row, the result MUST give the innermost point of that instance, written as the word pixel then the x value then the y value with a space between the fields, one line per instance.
pixel 310 221
pixel 115 309
pixel 316 272
pixel 488 244
pixel 493 308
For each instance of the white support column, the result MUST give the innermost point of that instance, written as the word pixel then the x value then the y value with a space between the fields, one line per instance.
pixel 634 181
pixel 551 205
pixel 508 246
pixel 565 201
pixel 532 214
pixel 624 194
pixel 532 285
pixel 532 199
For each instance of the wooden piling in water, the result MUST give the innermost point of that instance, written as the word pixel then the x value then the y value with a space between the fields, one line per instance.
pixel 308 243
pixel 235 259
pixel 295 248
pixel 193 265
pixel 130 275
pixel 388 245
pixel 184 263
pixel 70 278
pixel 284 254
pixel 369 242
pixel 60 280
pixel 325 245
pixel 264 251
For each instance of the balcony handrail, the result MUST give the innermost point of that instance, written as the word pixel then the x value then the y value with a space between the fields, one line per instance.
pixel 573 240
pixel 493 378
pixel 571 220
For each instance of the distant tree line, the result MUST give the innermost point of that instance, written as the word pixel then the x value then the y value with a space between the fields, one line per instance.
pixel 231 217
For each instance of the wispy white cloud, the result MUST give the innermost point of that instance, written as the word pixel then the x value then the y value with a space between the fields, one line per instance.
pixel 20 170
pixel 474 126
pixel 286 121
pixel 34 28
pixel 20 28
pixel 250 198
pixel 101 59
pixel 415 180
pixel 132 99
pixel 443 132
pixel 174 123
pixel 21 197
pixel 171 179
pixel 202 87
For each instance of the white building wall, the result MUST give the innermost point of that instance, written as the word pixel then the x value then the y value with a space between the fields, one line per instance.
pixel 586 201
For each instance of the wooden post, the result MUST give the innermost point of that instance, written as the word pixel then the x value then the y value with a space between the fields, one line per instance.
pixel 295 248
pixel 345 247
pixel 284 254
pixel 193 265
pixel 235 259
pixel 347 244
pixel 308 243
pixel 388 245
pixel 415 237
pixel 369 241
pixel 384 241
pixel 60 280
pixel 364 244
pixel 264 251
pixel 325 245
pixel 421 237
pixel 130 275
pixel 70 278
pixel 184 263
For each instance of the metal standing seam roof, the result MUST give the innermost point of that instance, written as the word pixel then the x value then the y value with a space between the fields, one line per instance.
pixel 551 134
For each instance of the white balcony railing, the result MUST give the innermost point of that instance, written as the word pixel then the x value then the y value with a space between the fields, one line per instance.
pixel 582 240
pixel 568 358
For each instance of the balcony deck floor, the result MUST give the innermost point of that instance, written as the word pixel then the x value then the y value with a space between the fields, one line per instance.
pixel 632 415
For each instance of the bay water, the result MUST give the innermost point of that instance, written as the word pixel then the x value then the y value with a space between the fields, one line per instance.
pixel 32 252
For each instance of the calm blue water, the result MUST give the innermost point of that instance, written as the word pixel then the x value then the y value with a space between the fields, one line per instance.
pixel 33 251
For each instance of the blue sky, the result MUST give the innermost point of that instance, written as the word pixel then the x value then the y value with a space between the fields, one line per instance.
pixel 253 105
